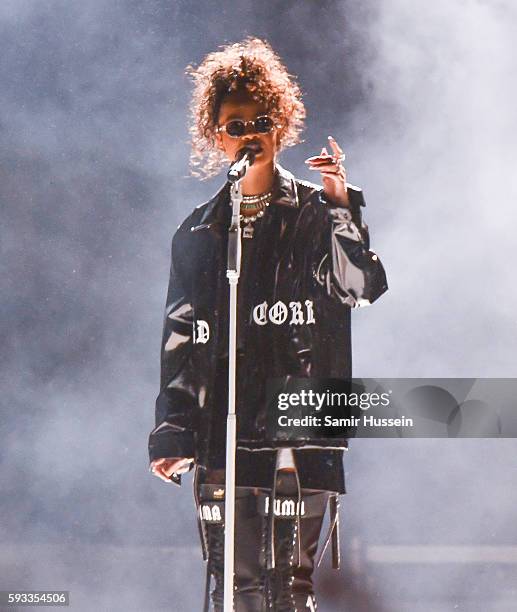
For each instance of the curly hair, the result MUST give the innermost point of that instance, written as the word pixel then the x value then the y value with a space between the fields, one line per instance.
pixel 251 65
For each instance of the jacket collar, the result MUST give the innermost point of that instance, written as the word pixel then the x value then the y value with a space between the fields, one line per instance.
pixel 286 195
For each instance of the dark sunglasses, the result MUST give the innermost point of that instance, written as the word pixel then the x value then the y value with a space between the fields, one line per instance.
pixel 237 127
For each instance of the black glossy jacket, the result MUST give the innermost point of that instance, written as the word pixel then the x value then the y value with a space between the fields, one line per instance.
pixel 307 249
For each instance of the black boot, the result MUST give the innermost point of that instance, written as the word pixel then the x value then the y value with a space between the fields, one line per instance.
pixel 290 587
pixel 215 567
pixel 249 573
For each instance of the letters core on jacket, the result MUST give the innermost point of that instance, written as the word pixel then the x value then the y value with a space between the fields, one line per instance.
pixel 312 265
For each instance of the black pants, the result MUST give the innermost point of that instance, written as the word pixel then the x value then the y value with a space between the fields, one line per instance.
pixel 286 587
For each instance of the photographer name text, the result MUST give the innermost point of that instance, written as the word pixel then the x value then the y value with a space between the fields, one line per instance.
pixel 329 421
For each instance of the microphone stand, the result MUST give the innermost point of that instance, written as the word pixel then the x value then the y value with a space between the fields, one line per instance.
pixel 233 274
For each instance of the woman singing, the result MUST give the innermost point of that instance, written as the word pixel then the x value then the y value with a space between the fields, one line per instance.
pixel 305 264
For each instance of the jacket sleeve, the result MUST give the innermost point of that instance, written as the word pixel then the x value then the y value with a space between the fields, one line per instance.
pixel 346 267
pixel 176 404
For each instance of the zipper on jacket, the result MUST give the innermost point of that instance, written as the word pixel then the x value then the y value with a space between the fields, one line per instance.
pixel 196 228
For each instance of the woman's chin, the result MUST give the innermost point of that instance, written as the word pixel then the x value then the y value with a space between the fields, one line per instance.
pixel 262 157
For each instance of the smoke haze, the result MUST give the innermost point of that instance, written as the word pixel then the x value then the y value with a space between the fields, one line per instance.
pixel 93 182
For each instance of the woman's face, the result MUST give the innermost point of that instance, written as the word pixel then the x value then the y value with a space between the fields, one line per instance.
pixel 239 105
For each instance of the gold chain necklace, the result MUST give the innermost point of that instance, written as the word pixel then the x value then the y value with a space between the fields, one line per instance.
pixel 261 202
pixel 251 201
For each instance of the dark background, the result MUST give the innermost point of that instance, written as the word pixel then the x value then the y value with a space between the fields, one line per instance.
pixel 93 182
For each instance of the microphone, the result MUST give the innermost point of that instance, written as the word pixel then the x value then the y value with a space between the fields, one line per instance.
pixel 245 158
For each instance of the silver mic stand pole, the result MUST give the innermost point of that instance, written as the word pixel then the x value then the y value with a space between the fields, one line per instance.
pixel 233 273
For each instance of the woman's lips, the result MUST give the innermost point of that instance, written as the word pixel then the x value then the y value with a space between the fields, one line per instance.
pixel 255 147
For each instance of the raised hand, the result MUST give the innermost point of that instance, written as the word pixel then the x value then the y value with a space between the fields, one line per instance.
pixel 333 174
